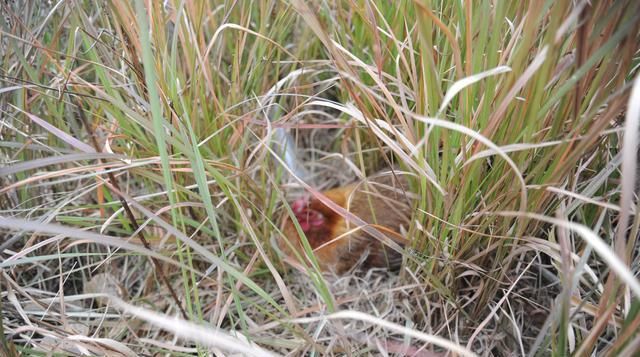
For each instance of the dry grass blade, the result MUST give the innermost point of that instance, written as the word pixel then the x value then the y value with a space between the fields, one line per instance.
pixel 357 315
pixel 204 335
pixel 58 133
pixel 467 81
pixel 629 172
pixel 616 264
pixel 164 148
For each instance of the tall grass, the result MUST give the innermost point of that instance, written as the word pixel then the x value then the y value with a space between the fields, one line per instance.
pixel 136 142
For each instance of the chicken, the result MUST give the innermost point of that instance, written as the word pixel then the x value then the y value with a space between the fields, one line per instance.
pixel 340 244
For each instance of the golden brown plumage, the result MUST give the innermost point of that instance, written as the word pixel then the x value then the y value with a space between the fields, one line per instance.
pixel 337 243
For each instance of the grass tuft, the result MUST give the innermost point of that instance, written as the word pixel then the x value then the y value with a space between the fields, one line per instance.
pixel 148 150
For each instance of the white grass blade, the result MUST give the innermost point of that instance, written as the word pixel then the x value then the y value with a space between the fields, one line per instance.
pixel 55 160
pixel 629 163
pixel 112 344
pixel 73 233
pixel 361 316
pixel 484 140
pixel 521 82
pixel 583 198
pixel 599 246
pixel 208 336
pixel 495 309
pixel 467 81
pixel 523 147
pixel 57 132
pixel 282 139
pixel 393 145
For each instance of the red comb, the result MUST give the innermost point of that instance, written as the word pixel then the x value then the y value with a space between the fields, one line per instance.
pixel 300 205
pixel 307 217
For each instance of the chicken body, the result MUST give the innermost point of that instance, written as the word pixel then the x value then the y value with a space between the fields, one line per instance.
pixel 340 245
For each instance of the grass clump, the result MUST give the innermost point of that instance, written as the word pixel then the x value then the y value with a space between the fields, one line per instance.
pixel 137 162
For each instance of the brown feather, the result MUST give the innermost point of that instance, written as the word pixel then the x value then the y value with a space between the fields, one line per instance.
pixel 340 245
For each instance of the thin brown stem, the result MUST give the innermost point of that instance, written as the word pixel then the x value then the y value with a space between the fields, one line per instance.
pixel 132 219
